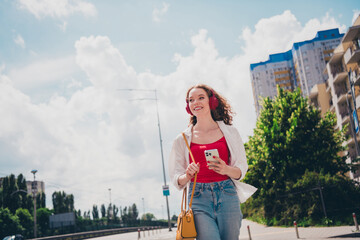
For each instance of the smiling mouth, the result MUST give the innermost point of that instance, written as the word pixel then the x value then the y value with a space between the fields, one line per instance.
pixel 197 108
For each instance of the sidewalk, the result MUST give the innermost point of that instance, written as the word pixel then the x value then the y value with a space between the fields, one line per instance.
pixel 164 234
pixel 258 232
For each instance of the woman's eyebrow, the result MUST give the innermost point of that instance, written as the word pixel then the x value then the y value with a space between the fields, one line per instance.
pixel 200 95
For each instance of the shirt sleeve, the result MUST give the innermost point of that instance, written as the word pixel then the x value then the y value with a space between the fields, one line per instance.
pixel 239 158
pixel 177 161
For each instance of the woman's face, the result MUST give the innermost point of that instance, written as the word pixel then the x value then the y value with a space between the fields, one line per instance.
pixel 198 102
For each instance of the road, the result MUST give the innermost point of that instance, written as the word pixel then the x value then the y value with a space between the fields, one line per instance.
pixel 258 232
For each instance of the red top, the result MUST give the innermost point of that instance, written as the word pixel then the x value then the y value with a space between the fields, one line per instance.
pixel 205 174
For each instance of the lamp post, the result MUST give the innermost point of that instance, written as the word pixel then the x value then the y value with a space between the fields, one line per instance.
pixel 34 191
pixel 165 187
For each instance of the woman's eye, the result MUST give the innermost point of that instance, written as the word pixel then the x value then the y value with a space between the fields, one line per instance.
pixel 201 97
pixel 191 100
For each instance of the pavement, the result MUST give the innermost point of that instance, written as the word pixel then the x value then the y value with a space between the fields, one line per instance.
pixel 257 231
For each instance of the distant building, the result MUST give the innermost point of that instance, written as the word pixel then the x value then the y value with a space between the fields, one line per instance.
pixel 302 66
pixel 40 186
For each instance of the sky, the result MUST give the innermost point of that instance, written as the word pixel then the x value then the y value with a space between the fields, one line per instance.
pixel 64 65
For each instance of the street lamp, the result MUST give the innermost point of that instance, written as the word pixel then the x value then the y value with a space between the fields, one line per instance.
pixel 165 187
pixel 34 191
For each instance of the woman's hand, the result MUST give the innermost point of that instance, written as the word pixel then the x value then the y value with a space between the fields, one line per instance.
pixel 219 167
pixel 191 170
pixel 222 168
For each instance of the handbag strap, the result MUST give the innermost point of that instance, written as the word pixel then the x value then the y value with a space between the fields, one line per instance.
pixel 192 158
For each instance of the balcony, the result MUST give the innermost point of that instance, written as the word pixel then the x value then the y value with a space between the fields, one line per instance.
pixel 336 58
pixel 341 91
pixel 351 34
pixel 352 54
pixel 345 118
pixel 340 76
pixel 356 79
pixel 343 96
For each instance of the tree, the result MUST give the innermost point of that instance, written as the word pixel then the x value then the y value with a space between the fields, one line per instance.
pixel 62 202
pixel 26 221
pixel 40 200
pixel 103 211
pixel 292 143
pixel 14 194
pixel 134 213
pixel 9 224
pixel 148 217
pixel 95 212
pixel 174 218
pixel 115 211
pixel 130 214
pixel 11 200
pixel 21 187
pixel 42 215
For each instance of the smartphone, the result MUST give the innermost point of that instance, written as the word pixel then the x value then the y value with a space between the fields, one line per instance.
pixel 209 155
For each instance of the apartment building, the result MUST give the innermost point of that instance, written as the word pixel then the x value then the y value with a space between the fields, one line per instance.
pixel 39 185
pixel 343 73
pixel 278 70
pixel 302 66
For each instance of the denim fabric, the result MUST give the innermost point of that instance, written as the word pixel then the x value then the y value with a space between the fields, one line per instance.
pixel 216 208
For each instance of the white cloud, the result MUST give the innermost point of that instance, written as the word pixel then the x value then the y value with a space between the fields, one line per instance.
pixel 158 13
pixel 43 72
pixel 355 16
pixel 58 8
pixel 19 41
pixel 96 139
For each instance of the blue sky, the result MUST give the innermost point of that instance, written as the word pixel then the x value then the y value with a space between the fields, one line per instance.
pixel 62 61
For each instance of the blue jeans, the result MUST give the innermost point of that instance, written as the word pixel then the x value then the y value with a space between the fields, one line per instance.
pixel 216 208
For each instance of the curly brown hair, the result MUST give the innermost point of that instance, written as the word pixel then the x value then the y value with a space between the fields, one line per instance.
pixel 223 111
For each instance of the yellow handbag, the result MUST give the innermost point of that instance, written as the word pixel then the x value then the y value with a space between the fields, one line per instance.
pixel 185 223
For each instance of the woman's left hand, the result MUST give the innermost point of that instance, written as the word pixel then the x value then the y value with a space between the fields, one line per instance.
pixel 221 167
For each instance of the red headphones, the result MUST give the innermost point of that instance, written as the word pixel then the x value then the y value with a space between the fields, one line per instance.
pixel 213 103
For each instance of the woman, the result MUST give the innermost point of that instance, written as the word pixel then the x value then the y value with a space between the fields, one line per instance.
pixel 218 191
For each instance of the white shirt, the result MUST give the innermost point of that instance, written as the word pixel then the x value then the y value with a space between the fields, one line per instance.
pixel 179 158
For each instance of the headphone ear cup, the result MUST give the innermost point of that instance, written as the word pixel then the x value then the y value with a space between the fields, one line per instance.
pixel 188 109
pixel 213 102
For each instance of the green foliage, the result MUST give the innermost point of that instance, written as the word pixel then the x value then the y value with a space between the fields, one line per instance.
pixel 9 224
pixel 26 221
pixel 148 217
pixel 14 193
pixel 95 212
pixel 40 200
pixel 42 217
pixel 129 215
pixel 103 211
pixel 62 202
pixel 292 150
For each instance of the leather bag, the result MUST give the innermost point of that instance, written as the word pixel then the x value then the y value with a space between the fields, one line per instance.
pixel 185 223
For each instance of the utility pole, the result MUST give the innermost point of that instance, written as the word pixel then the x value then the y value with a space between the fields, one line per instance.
pixel 166 192
pixel 34 191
